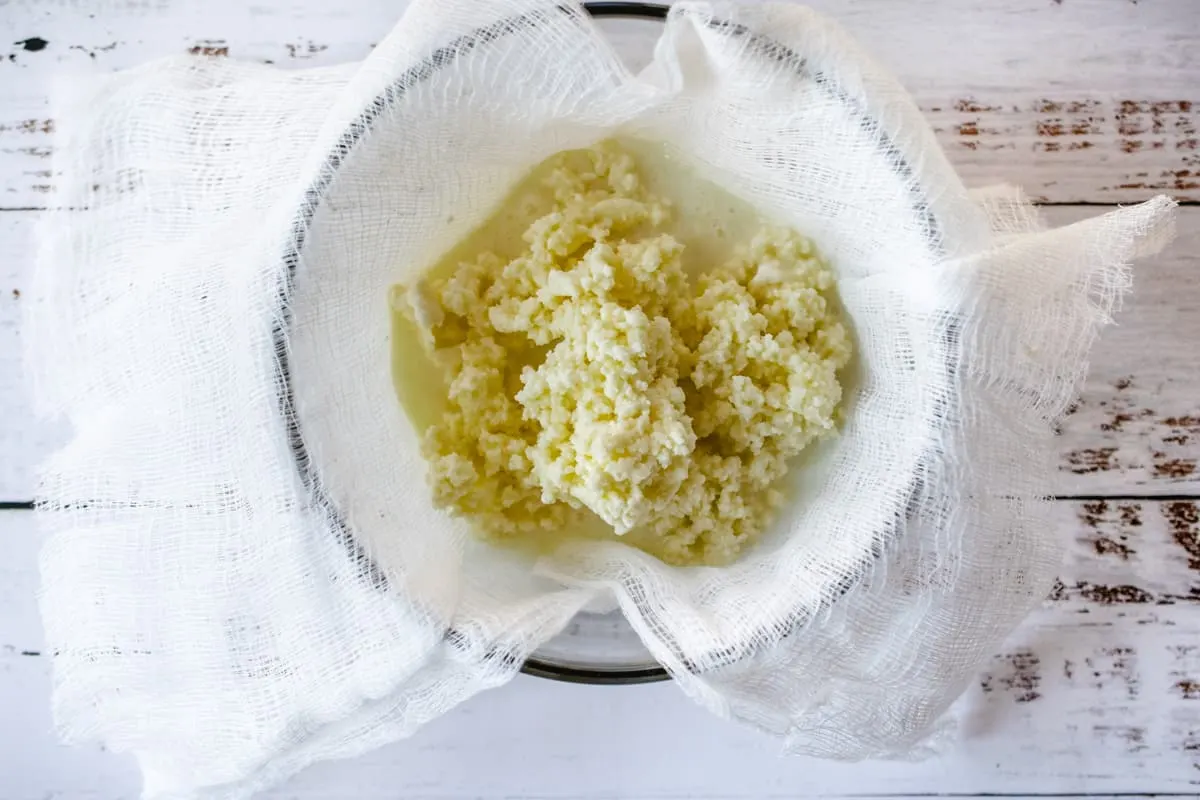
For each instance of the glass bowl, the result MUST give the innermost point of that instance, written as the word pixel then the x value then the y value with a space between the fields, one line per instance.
pixel 597 648
pixel 597 645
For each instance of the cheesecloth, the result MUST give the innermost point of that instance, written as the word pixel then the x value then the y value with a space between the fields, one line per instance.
pixel 245 574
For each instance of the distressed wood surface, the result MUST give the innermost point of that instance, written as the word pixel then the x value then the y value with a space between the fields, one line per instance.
pixel 1097 693
pixel 1077 100
pixel 23 439
pixel 1135 430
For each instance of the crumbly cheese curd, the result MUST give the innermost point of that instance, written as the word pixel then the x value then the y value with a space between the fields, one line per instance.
pixel 606 378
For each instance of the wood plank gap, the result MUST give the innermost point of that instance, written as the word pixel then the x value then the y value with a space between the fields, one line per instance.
pixel 1094 204
pixel 1130 498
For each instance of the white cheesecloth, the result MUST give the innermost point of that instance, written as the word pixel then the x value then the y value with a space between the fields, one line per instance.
pixel 245 573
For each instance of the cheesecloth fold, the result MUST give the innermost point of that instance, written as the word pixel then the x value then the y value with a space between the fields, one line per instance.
pixel 245 574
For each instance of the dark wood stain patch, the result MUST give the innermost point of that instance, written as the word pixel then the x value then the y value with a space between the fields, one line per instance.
pixel 1093 513
pixel 210 47
pixel 1019 676
pixel 1159 443
pixel 1066 107
pixel 1131 514
pixel 1109 533
pixel 1087 461
pixel 29 126
pixel 1156 107
pixel 1160 134
pixel 1170 179
pixel 1050 127
pixel 91 51
pixel 1183 519
pixel 1173 468
pixel 1112 594
pixel 1185 665
pixel 305 50
pixel 1132 736
pixel 972 106
pixel 1190 746
pixel 1118 665
pixel 1188 689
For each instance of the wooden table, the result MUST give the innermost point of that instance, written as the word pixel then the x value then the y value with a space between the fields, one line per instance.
pixel 1086 103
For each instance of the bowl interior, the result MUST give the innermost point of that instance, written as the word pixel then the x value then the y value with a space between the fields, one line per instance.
pixel 349 430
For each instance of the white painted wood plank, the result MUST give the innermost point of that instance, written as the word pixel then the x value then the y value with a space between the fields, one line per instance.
pixel 23 439
pixel 1087 100
pixel 1136 429
pixel 1098 693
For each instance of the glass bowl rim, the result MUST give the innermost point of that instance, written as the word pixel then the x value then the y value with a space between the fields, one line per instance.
pixel 367 569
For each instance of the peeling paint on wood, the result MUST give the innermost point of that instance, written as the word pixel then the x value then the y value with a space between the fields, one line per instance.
pixel 1107 595
pixel 1131 738
pixel 1019 676
pixel 1130 146
pixel 305 50
pixel 1185 670
pixel 91 52
pixel 1183 517
pixel 1115 667
pixel 1129 553
pixel 1175 468
pixel 1188 689
pixel 1137 423
pixel 1102 539
pixel 1084 462
pixel 28 126
pixel 209 47
pixel 1099 692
